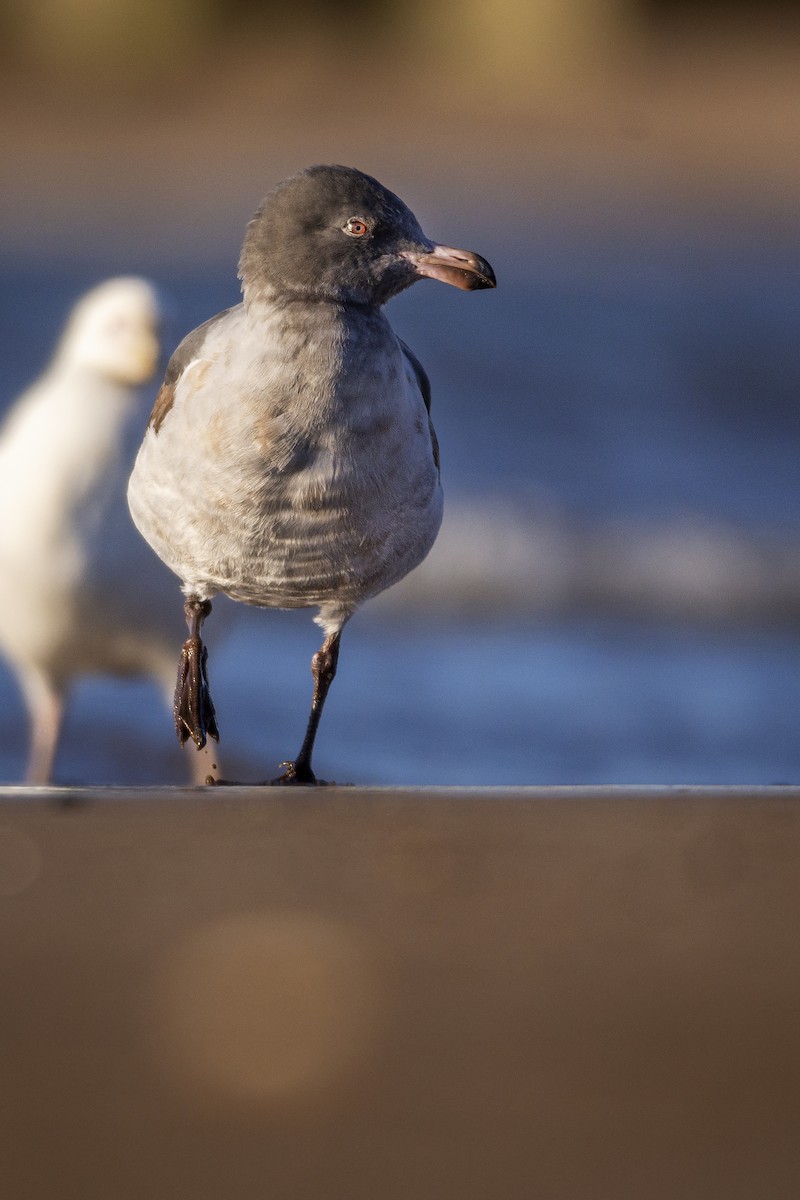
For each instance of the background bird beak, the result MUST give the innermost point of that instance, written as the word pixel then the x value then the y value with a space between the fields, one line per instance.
pixel 461 268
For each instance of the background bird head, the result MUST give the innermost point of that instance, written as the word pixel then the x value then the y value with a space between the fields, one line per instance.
pixel 115 331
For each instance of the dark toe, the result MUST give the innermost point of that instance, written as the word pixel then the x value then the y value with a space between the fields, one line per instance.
pixel 296 775
pixel 194 713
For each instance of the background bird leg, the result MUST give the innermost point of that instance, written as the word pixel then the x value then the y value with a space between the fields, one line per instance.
pixel 45 705
pixel 204 765
pixel 323 669
pixel 194 709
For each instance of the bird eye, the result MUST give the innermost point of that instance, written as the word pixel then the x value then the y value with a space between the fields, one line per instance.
pixel 356 227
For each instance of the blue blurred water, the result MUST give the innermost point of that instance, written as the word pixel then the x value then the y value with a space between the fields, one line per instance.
pixel 635 383
pixel 564 702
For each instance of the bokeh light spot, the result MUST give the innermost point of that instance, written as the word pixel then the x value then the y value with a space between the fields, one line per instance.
pixel 263 1006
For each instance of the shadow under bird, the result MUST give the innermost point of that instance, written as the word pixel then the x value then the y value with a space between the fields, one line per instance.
pixel 290 460
pixel 79 593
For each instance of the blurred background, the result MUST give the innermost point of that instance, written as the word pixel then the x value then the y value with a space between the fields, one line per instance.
pixel 616 590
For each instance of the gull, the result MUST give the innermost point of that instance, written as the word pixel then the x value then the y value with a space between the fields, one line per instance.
pixel 290 460
pixel 79 592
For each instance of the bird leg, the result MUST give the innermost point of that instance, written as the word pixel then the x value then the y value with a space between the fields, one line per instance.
pixel 194 709
pixel 323 669
pixel 45 704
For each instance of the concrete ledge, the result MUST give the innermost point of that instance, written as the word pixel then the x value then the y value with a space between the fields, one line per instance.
pixel 577 993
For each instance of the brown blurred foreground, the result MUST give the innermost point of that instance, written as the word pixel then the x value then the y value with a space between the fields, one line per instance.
pixel 400 995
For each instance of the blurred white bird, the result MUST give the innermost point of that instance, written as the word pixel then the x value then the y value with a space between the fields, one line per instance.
pixel 80 592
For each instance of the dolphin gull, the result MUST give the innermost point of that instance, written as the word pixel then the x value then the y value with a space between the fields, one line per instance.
pixel 290 460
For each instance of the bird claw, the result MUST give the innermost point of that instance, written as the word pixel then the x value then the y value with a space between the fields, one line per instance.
pixel 298 775
pixel 194 709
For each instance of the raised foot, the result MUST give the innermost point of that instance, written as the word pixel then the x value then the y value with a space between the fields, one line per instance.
pixel 194 709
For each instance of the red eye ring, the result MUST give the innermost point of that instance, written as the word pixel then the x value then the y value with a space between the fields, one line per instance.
pixel 355 227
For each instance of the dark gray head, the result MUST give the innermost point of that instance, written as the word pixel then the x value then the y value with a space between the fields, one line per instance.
pixel 335 234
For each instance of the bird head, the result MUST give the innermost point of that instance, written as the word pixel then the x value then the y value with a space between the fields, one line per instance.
pixel 332 233
pixel 115 330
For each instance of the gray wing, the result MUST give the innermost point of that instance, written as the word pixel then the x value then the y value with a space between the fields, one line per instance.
pixel 425 390
pixel 188 350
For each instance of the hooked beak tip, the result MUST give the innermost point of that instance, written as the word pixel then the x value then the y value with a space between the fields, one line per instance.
pixel 461 268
